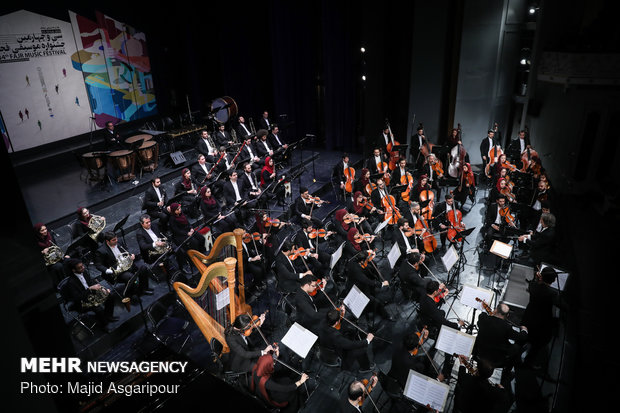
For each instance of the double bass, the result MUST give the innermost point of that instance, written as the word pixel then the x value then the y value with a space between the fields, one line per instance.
pixel 394 155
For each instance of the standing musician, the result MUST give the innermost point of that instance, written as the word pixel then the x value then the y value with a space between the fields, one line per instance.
pixel 386 138
pixel 361 272
pixel 418 142
pixel 497 341
pixel 485 146
pixel 84 294
pixel 345 175
pixel 155 199
pixel 236 194
pixel 287 273
pixel 206 146
pixel 350 351
pixel 243 354
pixel 518 146
pixel 186 193
pixel 356 395
pixel 305 205
pixel 108 260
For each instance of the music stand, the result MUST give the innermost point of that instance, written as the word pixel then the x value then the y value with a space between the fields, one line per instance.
pixel 119 226
pixel 455 271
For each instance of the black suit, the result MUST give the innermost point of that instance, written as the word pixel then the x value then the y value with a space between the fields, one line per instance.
pixel 105 259
pixel 541 245
pixel 287 275
pixel 262 150
pixel 74 292
pixel 485 146
pixel 403 361
pixel 200 174
pixel 203 148
pixel 348 350
pixel 242 132
pixel 264 124
pixel 412 279
pixel 309 314
pixel 242 356
pixel 145 242
pixel 229 192
pixel 222 138
pixel 151 200
pixel 274 141
pixel 246 156
pixel 492 341
pixel 431 316
pixel 538 317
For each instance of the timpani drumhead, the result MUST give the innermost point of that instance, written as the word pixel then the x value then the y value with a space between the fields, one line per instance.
pixel 93 160
pixel 123 158
pixel 142 137
pixel 225 107
pixel 147 151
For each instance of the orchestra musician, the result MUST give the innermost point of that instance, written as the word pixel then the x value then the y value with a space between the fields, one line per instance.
pixel 466 187
pixel 399 174
pixel 287 274
pixel 485 146
pixel 243 354
pixel 79 286
pixel 250 155
pixel 498 342
pixel 441 221
pixel 407 357
pixel 212 213
pixel 236 194
pixel 112 139
pixel 318 260
pixel 152 242
pixel 281 392
pixel 45 241
pixel 81 228
pixel 107 259
pixel 310 312
pixel 249 181
pixel 475 393
pixel 305 205
pixel 518 146
pixel 201 170
pixel 267 178
pixel 350 351
pixel 377 290
pixel 206 146
pixel 341 227
pixel 362 183
pixel 497 219
pixel 361 206
pixel 541 243
pixel 412 275
pixel 355 396
pixel 155 199
pixel 263 147
pixel 243 131
pixel 341 170
pixel 275 138
pixel 254 262
pixel 264 122
pixel 183 235
pixel 404 238
pixel 433 169
pixel 186 193
pixel 222 136
pixel 378 163
pixel 417 142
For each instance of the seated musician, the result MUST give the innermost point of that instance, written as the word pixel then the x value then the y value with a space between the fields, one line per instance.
pixel 355 396
pixel 250 155
pixel 543 195
pixel 242 129
pixel 254 264
pixel 433 169
pixel 287 273
pixel 222 136
pixel 109 258
pixel 267 181
pixel 201 171
pixel 497 220
pixel 355 243
pixel 350 351
pixel 212 213
pixel 340 226
pixel 379 197
pixel 399 174
pixel 422 185
pixel 541 243
pixel 155 199
pixel 153 244
pixel 46 242
pixel 83 229
pixel 369 281
pixel 207 147
pixel 184 236
pixel 243 353
pixel 318 260
pixel 474 393
pixel 250 182
pixel 236 195
pixel 263 147
pixel 112 139
pixel 497 341
pixel 362 183
pixel 310 312
pixel 409 356
pixel 361 207
pixel 84 294
pixel 281 392
pixel 442 213
pixel 305 205
pixel 412 274
pixel 405 238
pixel 276 139
pixel 186 191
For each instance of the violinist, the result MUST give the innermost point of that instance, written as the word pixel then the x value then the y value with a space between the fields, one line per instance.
pixel 356 243
pixel 363 184
pixel 443 213
pixel 373 285
pixel 317 260
pixel 404 238
pixel 243 353
pixel 541 243
pixel 341 227
pixel 497 219
pixel 350 351
pixel 305 205
pixel 497 341
pixel 282 392
pixel 466 187
pixel 310 312
pixel 409 356
pixel 501 188
pixel 412 274
pixel 474 393
pixel 287 273
pixel 363 208
pixel 356 395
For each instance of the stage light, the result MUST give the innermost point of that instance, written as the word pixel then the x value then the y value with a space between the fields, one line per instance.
pixel 364 78
pixel 363 50
pixel 523 62
pixel 532 10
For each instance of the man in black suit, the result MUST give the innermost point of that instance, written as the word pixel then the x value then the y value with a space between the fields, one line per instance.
pixel 541 243
pixel 79 286
pixel 412 274
pixel 287 274
pixel 275 138
pixel 404 360
pixel 243 131
pixel 487 143
pixel 153 244
pixel 263 147
pixel 243 354
pixel 112 139
pixel 350 351
pixel 406 244
pixel 249 155
pixel 107 261
pixel 517 147
pixel 236 194
pixel 496 224
pixel 201 171
pixel 493 341
pixel 309 312
pixel 304 207
pixel 441 222
pixel 206 146
pixel 377 291
pixel 222 136
pixel 264 122
pixel 417 142
pixel 155 199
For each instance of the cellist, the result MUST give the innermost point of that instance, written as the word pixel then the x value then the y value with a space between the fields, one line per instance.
pixel 444 213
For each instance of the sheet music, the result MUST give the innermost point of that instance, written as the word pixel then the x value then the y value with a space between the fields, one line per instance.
pixel 336 256
pixel 560 281
pixel 393 255
pixel 450 258
pixel 299 340
pixel 222 299
pixel 501 249
pixel 452 341
pixel 426 390
pixel 356 301
pixel 469 294
pixel 382 225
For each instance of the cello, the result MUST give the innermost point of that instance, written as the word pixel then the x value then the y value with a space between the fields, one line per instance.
pixel 493 156
pixel 392 213
pixel 349 174
pixel 394 155
pixel 428 239
pixel 457 225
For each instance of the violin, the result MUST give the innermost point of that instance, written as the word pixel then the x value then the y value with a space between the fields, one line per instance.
pixel 315 200
pixel 348 218
pixel 320 284
pixel 437 168
pixel 508 217
pixel 359 237
pixel 423 335
pixel 526 158
pixel 254 323
pixel 320 233
pixel 508 194
pixel 371 255
pixel 486 307
pixel 299 252
pixel 442 294
pixel 368 384
pixel 366 203
pixel 247 237
pixel 276 223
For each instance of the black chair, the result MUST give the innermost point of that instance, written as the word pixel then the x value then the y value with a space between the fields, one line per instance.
pixel 164 327
pixel 74 310
pixel 238 379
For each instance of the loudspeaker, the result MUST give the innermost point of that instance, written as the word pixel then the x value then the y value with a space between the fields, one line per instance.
pixel 177 158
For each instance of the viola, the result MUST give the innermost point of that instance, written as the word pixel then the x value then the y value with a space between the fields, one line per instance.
pixel 455 219
pixel 366 203
pixel 509 166
pixel 442 294
pixel 508 194
pixel 348 218
pixel 370 186
pixel 320 284
pixel 437 167
pixel 526 158
pixel 423 335
pixel 247 237
pixel 320 233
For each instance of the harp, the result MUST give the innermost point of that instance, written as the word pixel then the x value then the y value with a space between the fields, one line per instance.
pixel 221 270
